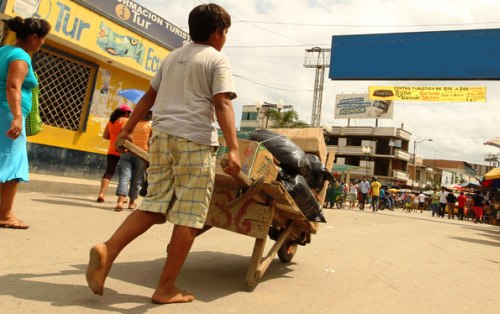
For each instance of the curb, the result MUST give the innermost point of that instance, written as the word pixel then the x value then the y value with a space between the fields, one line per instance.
pixel 62 185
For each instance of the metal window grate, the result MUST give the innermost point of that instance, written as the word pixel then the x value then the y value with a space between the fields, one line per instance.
pixel 65 89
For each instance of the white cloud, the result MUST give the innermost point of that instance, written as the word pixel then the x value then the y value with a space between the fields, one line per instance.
pixel 257 54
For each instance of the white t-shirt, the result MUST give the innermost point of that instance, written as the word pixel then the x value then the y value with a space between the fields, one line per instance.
pixel 186 83
pixel 364 186
pixel 442 197
pixel 421 198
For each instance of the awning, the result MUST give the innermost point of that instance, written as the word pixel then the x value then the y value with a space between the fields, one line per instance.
pixel 492 174
pixel 344 168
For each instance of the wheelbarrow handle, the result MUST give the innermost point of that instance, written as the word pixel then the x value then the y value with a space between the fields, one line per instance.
pixel 240 177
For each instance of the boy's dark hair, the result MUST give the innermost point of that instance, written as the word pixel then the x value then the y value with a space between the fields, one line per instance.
pixel 206 19
pixel 26 27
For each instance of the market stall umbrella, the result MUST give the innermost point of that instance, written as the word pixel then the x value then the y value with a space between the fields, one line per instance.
pixel 132 94
pixel 492 174
pixel 456 187
pixel 491 183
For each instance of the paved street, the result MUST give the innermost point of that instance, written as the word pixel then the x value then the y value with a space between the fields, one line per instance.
pixel 359 262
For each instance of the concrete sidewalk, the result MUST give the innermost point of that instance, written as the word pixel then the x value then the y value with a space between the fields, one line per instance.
pixel 52 184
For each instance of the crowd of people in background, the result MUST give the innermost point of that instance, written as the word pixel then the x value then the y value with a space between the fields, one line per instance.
pixel 473 205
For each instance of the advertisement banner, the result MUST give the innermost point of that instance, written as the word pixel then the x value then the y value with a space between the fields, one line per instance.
pixel 429 93
pixel 359 106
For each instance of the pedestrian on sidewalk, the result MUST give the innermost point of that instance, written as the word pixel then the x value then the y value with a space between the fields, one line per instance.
pixel 442 202
pixel 131 170
pixel 115 124
pixel 353 192
pixel 364 188
pixel 18 80
pixel 375 193
pixel 421 201
pixel 478 203
pixel 461 199
pixel 451 199
pixel 192 89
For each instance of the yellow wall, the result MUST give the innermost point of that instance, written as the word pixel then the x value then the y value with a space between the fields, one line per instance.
pixel 81 36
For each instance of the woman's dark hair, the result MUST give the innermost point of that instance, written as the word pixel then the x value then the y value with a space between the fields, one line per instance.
pixel 206 19
pixel 26 27
pixel 118 113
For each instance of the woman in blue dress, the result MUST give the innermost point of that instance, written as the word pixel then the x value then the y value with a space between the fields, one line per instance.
pixel 16 82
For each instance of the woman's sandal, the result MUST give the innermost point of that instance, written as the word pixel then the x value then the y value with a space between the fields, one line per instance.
pixel 118 208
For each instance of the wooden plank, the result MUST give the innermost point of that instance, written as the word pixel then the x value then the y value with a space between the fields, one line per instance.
pixel 328 164
pixel 253 275
pixel 133 149
pixel 266 261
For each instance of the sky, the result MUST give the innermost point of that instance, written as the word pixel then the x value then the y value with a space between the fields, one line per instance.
pixel 266 46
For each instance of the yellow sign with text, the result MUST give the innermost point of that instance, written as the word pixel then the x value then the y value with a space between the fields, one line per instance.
pixel 429 93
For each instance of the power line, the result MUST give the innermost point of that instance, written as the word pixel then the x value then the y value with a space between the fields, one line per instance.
pixel 365 26
pixel 279 46
pixel 267 84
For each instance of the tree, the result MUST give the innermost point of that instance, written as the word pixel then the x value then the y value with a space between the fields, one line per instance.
pixel 286 119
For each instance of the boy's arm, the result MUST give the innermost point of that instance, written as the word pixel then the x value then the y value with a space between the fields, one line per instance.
pixel 225 116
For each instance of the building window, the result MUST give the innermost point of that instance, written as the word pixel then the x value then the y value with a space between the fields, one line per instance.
pixel 66 85
pixel 249 116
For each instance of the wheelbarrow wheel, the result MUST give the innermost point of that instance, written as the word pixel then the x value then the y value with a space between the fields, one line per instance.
pixel 287 251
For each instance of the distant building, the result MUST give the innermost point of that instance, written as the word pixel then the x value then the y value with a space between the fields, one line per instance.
pixel 255 117
pixel 461 170
pixel 377 151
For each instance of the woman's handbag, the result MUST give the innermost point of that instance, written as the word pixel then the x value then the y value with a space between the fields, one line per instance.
pixel 33 120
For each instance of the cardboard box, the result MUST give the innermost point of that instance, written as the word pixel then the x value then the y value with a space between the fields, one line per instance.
pixel 311 140
pixel 256 160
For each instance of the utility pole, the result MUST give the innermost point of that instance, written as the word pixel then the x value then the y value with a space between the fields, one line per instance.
pixel 318 58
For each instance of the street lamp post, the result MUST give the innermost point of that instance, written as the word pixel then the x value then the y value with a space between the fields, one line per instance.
pixel 366 150
pixel 415 159
pixel 279 106
pixel 258 106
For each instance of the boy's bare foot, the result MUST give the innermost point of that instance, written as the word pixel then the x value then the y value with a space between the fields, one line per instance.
pixel 176 295
pixel 97 270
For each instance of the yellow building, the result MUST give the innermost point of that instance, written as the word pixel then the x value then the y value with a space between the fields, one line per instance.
pixel 95 49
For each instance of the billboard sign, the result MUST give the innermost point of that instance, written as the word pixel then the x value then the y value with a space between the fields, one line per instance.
pixel 359 106
pixel 442 55
pixel 429 93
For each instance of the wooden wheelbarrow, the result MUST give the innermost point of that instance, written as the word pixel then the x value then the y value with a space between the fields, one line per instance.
pixel 256 209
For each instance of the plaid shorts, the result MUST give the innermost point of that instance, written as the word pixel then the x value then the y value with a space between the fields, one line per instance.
pixel 181 177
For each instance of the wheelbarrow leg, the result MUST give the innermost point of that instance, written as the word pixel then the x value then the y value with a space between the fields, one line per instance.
pixel 253 275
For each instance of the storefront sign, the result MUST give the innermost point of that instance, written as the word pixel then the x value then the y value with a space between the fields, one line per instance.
pixel 359 106
pixel 91 31
pixel 140 19
pixel 429 93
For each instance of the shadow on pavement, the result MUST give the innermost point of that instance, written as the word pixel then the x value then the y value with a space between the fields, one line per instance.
pixel 477 241
pixel 85 202
pixel 208 275
pixel 41 288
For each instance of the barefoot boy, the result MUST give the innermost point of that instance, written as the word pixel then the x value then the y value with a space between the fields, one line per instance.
pixel 192 88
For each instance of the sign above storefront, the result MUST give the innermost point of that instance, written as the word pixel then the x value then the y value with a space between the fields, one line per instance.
pixel 140 19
